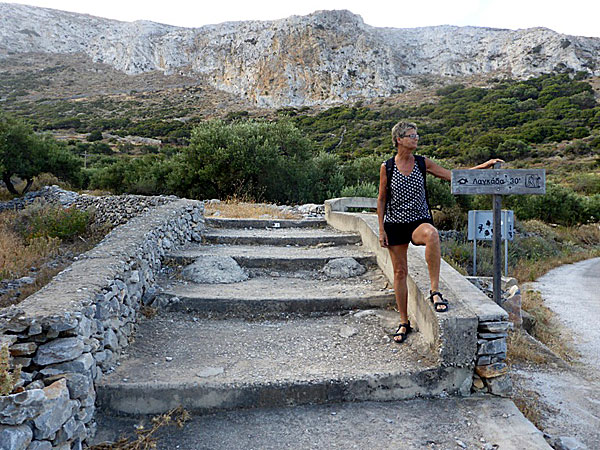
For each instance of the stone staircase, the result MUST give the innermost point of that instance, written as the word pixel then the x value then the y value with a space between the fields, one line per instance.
pixel 289 341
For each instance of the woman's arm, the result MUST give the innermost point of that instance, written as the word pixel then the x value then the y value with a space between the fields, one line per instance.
pixel 437 170
pixel 445 174
pixel 381 199
pixel 488 164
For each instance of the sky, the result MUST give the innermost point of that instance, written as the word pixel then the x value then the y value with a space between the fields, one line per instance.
pixel 577 17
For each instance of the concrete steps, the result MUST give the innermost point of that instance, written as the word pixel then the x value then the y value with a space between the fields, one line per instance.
pixel 265 223
pixel 263 296
pixel 434 423
pixel 276 257
pixel 232 364
pixel 287 337
pixel 279 236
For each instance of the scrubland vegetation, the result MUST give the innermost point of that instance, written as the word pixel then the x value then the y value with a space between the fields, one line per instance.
pixel 299 155
pixel 40 241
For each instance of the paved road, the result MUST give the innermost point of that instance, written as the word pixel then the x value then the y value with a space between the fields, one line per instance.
pixel 573 293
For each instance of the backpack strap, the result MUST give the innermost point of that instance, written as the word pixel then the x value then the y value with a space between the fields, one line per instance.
pixel 420 160
pixel 389 172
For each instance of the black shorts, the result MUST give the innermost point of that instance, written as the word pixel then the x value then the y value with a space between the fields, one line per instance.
pixel 401 233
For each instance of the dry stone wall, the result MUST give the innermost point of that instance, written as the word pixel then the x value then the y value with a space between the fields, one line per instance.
pixel 70 333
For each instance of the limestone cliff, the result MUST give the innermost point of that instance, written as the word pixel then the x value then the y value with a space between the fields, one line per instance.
pixel 325 57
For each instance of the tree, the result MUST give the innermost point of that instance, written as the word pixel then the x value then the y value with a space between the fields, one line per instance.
pixel 259 160
pixel 24 154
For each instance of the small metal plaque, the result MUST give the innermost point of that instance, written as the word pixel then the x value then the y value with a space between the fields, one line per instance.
pixel 481 225
pixel 499 181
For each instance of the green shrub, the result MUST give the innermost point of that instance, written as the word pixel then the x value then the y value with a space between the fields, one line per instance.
pixel 52 221
pixel 362 189
pixel 559 205
pixel 587 183
pixel 95 135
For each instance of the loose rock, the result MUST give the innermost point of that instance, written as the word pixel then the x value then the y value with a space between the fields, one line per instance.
pixel 213 269
pixel 343 268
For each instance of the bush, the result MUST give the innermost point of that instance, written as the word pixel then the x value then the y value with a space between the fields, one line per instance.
pixel 559 205
pixel 260 160
pixel 95 135
pixel 40 220
pixel 362 189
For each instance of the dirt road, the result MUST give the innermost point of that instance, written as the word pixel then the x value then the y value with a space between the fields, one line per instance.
pixel 570 399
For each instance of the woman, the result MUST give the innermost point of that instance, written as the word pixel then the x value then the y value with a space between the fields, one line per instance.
pixel 404 216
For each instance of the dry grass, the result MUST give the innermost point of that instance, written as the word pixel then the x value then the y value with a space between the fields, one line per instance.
pixel 48 255
pixel 145 437
pixel 17 256
pixel 531 270
pixel 237 208
pixel 557 342
pixel 528 403
pixel 575 244
pixel 547 329
pixel 523 350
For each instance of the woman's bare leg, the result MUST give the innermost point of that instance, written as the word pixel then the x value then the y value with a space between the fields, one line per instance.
pixel 399 263
pixel 426 234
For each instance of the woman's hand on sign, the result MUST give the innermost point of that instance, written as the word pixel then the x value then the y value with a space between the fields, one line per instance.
pixel 488 164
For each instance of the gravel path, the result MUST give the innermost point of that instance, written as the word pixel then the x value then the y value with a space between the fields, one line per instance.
pixel 569 400
pixel 573 293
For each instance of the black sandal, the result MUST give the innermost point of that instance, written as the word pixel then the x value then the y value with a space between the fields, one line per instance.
pixel 402 335
pixel 438 304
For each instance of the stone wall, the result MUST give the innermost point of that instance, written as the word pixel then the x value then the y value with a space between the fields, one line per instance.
pixel 71 332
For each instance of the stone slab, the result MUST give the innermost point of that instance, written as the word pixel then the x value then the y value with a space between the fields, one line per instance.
pixel 266 295
pixel 275 257
pixel 272 362
pixel 264 223
pixel 273 236
pixel 412 424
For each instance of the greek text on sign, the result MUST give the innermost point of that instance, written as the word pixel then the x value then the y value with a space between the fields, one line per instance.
pixel 481 225
pixel 499 181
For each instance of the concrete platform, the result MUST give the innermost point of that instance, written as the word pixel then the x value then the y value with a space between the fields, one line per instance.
pixel 287 258
pixel 227 364
pixel 265 223
pixel 440 423
pixel 279 236
pixel 282 294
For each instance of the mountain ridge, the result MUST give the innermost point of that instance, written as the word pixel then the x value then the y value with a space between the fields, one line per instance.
pixel 322 58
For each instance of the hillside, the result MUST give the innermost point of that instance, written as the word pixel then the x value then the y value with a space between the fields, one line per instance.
pixel 322 58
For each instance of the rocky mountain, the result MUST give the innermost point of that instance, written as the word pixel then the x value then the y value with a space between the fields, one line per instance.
pixel 324 57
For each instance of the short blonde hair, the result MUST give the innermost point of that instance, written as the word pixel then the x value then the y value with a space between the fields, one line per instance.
pixel 399 129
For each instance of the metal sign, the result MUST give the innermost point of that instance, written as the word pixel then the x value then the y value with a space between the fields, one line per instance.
pixel 481 225
pixel 499 181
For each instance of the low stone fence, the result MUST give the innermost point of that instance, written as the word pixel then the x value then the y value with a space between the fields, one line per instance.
pixel 472 334
pixel 71 332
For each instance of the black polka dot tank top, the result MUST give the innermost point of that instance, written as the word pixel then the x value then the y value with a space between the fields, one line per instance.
pixel 407 202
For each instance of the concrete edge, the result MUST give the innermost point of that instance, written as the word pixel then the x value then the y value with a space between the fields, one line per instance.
pixel 154 398
pixel 249 308
pixel 219 222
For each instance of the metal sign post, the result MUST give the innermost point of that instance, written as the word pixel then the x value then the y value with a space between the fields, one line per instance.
pixel 498 182
pixel 497 209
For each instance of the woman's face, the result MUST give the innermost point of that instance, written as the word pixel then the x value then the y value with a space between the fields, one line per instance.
pixel 410 140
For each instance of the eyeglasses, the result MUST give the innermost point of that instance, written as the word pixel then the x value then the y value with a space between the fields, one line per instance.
pixel 412 136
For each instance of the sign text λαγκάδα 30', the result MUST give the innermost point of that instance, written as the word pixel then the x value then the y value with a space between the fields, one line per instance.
pixel 499 181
